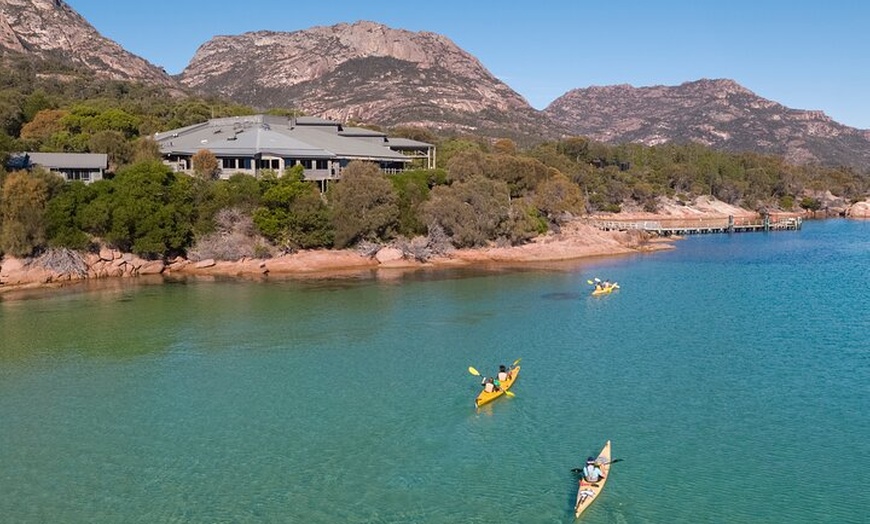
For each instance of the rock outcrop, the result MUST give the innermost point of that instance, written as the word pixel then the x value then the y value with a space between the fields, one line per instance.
pixel 364 72
pixel 106 263
pixel 718 113
pixel 52 29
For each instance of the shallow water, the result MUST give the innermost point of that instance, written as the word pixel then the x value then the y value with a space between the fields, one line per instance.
pixel 727 373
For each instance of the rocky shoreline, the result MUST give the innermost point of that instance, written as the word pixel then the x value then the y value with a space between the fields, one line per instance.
pixel 576 240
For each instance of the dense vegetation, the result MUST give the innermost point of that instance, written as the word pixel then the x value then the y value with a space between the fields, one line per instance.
pixel 482 191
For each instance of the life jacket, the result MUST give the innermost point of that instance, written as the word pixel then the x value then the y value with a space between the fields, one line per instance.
pixel 502 376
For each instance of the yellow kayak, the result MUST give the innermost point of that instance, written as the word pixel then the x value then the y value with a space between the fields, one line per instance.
pixel 486 397
pixel 588 492
pixel 605 290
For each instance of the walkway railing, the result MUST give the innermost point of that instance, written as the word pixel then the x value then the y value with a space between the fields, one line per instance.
pixel 689 226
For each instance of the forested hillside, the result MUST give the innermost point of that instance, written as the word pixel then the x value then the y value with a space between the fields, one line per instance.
pixel 483 191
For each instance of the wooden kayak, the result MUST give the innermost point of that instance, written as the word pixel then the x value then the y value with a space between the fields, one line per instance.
pixel 588 492
pixel 485 398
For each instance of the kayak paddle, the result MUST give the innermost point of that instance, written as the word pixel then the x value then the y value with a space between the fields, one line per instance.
pixel 580 470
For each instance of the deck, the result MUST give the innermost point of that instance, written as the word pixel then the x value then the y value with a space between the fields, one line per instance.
pixel 700 226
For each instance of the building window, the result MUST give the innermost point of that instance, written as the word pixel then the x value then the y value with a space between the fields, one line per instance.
pixel 270 163
pixel 77 174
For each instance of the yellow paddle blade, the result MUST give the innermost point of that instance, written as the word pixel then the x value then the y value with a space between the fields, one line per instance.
pixel 509 393
pixel 473 371
pixel 517 361
pixel 589 282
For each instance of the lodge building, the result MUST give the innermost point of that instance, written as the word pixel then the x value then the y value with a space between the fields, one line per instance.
pixel 251 144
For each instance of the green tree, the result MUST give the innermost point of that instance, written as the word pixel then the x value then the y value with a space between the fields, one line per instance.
pixel 412 190
pixel 36 102
pixel 145 149
pixel 11 116
pixel 558 196
pixel 152 211
pixel 22 213
pixel 471 212
pixel 449 148
pixel 522 174
pixel 292 213
pixel 46 123
pixel 420 134
pixel 63 216
pixel 113 143
pixel 811 204
pixel 364 205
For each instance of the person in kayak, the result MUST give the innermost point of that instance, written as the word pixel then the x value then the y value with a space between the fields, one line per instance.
pixel 489 384
pixel 592 473
pixel 503 373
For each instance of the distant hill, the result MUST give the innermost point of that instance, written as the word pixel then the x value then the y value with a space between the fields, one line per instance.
pixel 718 113
pixel 368 73
pixel 51 29
pixel 365 72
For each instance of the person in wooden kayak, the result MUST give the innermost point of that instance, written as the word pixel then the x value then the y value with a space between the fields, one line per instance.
pixel 592 473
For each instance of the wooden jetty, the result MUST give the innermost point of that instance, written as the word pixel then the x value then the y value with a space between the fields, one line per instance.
pixel 700 226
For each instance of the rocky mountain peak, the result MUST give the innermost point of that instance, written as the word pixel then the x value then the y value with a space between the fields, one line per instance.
pixel 53 29
pixel 719 113
pixel 362 71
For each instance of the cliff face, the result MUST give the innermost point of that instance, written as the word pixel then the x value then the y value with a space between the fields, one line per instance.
pixel 52 29
pixel 718 113
pixel 365 72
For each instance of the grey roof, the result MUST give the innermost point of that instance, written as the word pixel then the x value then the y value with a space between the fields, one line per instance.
pixel 280 136
pixel 361 131
pixel 408 143
pixel 69 160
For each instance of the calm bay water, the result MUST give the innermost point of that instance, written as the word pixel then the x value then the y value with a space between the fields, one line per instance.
pixel 732 375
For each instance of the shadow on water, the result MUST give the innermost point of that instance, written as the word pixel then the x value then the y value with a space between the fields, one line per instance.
pixel 562 296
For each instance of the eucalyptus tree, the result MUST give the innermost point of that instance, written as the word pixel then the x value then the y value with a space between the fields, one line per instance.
pixel 364 205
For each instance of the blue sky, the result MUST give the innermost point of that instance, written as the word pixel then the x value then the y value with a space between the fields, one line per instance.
pixel 803 54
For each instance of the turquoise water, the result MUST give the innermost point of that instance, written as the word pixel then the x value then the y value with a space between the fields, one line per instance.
pixel 732 375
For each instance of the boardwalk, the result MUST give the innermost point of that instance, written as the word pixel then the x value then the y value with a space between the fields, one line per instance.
pixel 690 226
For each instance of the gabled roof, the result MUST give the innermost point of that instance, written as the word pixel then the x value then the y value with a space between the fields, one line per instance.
pixel 304 137
pixel 69 160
